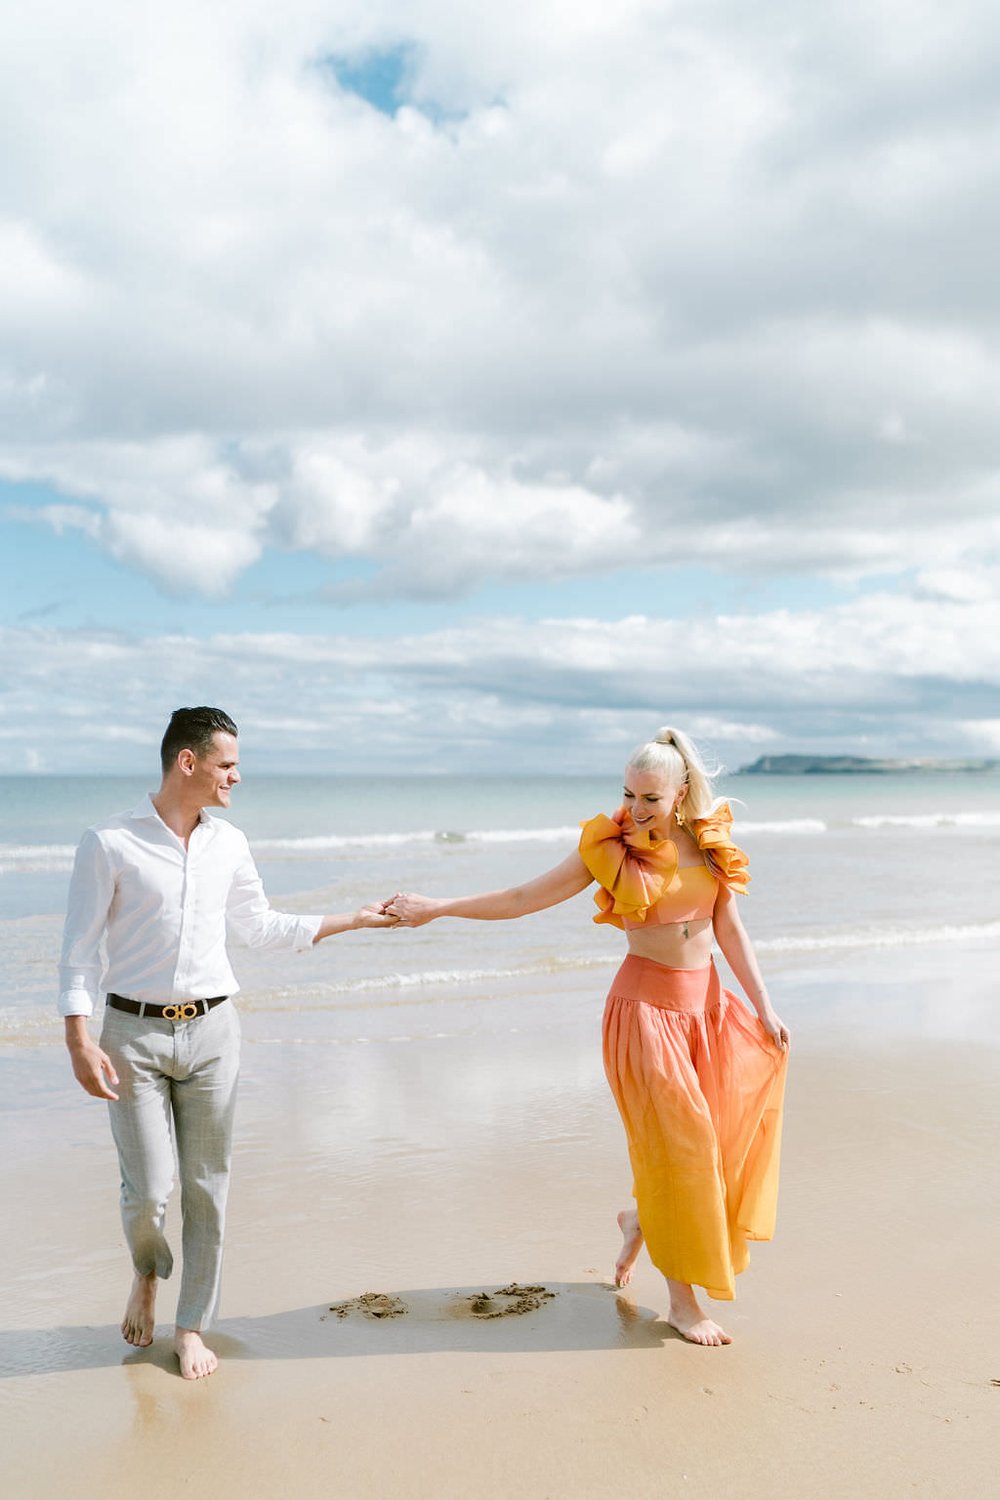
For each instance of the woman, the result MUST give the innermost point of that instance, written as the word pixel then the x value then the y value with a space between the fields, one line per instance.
pixel 698 1081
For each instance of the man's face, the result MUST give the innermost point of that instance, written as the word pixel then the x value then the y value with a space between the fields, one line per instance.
pixel 214 775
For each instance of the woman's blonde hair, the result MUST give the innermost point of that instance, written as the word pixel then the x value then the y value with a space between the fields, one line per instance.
pixel 676 757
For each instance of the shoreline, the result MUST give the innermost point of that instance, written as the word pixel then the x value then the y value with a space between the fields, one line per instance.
pixel 941 988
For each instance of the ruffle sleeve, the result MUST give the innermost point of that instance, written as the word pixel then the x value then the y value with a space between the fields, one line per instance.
pixel 631 870
pixel 727 862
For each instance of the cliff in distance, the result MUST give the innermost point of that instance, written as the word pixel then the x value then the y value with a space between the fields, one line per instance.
pixel 846 765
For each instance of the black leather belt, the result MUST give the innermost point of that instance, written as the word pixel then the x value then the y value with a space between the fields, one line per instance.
pixel 184 1010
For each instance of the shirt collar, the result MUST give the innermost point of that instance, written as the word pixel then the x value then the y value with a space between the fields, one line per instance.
pixel 147 810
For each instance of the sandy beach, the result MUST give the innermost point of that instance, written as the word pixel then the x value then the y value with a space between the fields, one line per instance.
pixel 435 1172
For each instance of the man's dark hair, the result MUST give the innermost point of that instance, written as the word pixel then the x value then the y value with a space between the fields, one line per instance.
pixel 193 729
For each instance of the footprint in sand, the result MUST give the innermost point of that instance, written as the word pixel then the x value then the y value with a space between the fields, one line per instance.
pixel 372 1305
pixel 505 1302
pixel 509 1301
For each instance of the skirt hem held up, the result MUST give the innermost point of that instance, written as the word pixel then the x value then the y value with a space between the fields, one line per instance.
pixel 699 1086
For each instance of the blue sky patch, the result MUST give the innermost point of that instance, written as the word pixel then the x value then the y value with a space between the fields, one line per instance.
pixel 380 78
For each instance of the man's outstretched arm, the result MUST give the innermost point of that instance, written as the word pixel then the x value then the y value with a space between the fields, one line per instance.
pixel 255 922
pixel 352 921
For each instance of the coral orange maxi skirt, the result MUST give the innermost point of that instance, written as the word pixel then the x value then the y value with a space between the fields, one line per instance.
pixel 699 1086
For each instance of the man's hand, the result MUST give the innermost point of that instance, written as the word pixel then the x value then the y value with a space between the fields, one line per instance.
pixel 377 916
pixel 92 1068
pixel 374 915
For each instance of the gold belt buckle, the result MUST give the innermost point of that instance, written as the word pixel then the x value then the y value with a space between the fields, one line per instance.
pixel 185 1012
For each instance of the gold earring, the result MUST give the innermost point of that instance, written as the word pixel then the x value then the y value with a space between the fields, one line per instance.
pixel 678 817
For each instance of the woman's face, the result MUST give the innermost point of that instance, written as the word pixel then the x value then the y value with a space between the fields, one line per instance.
pixel 649 797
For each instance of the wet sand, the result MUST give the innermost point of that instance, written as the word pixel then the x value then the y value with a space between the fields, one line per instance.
pixel 435 1174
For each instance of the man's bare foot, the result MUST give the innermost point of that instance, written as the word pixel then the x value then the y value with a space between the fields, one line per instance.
pixel 197 1360
pixel 628 1223
pixel 687 1317
pixel 140 1312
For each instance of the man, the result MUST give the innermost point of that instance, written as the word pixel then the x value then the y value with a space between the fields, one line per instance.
pixel 160 885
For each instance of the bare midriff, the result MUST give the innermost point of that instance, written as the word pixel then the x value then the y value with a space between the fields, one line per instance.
pixel 666 943
pixel 677 930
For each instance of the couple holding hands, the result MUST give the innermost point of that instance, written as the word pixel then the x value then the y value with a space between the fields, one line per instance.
pixel 698 1078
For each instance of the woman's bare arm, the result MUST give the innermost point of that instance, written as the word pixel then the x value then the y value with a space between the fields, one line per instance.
pixel 737 950
pixel 559 884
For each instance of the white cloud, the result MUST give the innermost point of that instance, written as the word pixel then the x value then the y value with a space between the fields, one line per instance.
pixel 172 508
pixel 35 282
pixel 60 518
pixel 187 556
pixel 968 585
pixel 984 734
pixel 716 276
pixel 882 674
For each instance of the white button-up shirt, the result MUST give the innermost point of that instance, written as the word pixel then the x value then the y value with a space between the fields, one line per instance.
pixel 163 911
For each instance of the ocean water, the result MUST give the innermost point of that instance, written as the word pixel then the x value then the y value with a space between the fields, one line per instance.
pixel 844 868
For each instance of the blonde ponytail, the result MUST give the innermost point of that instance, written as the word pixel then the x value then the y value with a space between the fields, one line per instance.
pixel 675 756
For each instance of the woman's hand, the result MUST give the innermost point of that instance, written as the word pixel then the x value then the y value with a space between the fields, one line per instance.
pixel 411 910
pixel 775 1028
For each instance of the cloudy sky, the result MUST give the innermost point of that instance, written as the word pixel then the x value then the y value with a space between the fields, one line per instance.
pixel 478 387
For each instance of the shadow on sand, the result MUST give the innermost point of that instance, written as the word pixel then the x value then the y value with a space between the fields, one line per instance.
pixel 572 1316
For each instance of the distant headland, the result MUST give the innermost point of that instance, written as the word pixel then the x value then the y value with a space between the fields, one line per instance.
pixel 853 765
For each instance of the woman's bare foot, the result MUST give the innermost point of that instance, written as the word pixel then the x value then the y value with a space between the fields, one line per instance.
pixel 687 1317
pixel 140 1312
pixel 197 1360
pixel 628 1223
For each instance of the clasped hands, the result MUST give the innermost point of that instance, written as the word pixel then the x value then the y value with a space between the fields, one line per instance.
pixel 401 910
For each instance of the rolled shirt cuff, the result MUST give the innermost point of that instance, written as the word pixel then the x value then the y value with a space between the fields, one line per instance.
pixel 76 1002
pixel 307 930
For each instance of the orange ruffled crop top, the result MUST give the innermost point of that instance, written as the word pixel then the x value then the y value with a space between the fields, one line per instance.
pixel 639 877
